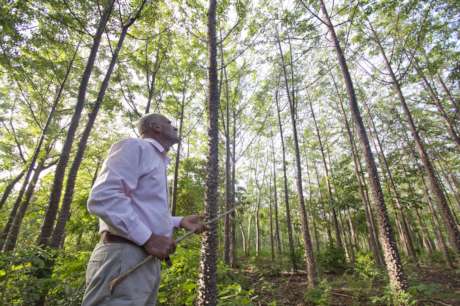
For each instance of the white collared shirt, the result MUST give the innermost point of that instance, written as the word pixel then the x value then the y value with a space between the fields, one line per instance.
pixel 130 195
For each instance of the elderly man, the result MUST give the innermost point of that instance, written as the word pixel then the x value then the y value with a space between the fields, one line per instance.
pixel 130 197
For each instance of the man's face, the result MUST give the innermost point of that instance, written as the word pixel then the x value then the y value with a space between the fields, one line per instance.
pixel 168 131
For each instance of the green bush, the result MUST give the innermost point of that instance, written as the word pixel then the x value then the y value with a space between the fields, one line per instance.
pixel 332 260
pixel 179 282
pixel 320 295
pixel 365 267
pixel 391 297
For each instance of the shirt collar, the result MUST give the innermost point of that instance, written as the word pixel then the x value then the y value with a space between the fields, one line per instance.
pixel 156 144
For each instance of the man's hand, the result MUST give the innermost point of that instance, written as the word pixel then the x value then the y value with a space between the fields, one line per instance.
pixel 193 223
pixel 160 246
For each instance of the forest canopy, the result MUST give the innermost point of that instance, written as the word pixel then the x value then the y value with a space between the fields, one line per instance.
pixel 332 128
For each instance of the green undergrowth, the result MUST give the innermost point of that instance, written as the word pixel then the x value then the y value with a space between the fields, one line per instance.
pixel 179 282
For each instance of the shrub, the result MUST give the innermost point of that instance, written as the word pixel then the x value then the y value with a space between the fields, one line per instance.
pixel 332 260
pixel 320 295
pixel 365 267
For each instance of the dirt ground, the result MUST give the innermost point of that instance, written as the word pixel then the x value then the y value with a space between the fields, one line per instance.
pixel 437 287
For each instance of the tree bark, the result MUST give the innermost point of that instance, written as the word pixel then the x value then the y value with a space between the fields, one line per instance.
pixel 435 98
pixel 9 187
pixel 373 241
pixel 13 233
pixel 207 290
pixel 391 254
pixel 270 213
pixel 64 213
pixel 328 183
pixel 275 195
pixel 228 168
pixel 434 185
pixel 178 152
pixel 308 247
pixel 35 155
pixel 286 189
pixel 56 189
pixel 405 232
pixel 455 102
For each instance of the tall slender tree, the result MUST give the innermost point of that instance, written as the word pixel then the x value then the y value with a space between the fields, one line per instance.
pixel 207 290
pixel 59 173
pixel 434 184
pixel 393 263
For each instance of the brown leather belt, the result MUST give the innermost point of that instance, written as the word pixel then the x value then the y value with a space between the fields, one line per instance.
pixel 107 237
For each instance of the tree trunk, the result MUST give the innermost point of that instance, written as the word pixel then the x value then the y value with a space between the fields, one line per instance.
pixel 373 241
pixel 328 183
pixel 35 155
pixel 286 189
pixel 391 254
pixel 401 219
pixel 258 223
pixel 275 195
pixel 321 201
pixel 207 290
pixel 178 152
pixel 233 199
pixel 455 103
pixel 308 247
pixel 270 213
pixel 64 214
pixel 435 98
pixel 434 185
pixel 228 175
pixel 151 78
pixel 56 189
pixel 9 187
pixel 312 210
pixel 13 233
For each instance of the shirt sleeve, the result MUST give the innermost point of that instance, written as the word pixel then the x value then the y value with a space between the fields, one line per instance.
pixel 176 221
pixel 110 196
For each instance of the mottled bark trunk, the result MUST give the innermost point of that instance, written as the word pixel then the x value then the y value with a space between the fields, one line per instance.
pixel 391 254
pixel 312 209
pixel 178 152
pixel 13 233
pixel 435 98
pixel 228 175
pixel 328 183
pixel 9 187
pixel 321 201
pixel 56 189
pixel 151 78
pixel 233 197
pixel 308 247
pixel 434 185
pixel 373 241
pixel 258 224
pixel 275 196
pixel 455 102
pixel 286 189
pixel 400 216
pixel 207 289
pixel 64 213
pixel 270 214
pixel 434 215
pixel 437 230
pixel 34 158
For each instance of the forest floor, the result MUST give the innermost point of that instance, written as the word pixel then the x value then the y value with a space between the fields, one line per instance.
pixel 430 285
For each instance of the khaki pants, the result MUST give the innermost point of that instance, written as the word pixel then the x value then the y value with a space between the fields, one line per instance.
pixel 109 260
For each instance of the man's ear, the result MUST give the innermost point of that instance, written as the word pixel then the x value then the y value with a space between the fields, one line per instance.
pixel 155 127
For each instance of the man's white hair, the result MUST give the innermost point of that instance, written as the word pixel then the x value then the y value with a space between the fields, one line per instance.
pixel 147 122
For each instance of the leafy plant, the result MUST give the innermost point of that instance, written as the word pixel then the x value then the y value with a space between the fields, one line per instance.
pixel 332 259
